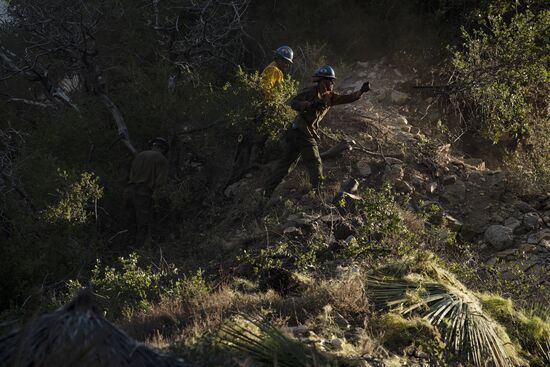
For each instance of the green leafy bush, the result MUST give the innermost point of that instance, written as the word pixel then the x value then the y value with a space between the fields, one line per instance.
pixel 383 224
pixel 74 198
pixel 504 67
pixel 250 110
pixel 292 255
pixel 503 74
pixel 530 163
pixel 129 287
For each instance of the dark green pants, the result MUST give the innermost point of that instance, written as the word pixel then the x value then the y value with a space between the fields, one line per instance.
pixel 139 205
pixel 298 145
pixel 249 155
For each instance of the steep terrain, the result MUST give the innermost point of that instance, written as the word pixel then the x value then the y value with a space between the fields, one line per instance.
pixel 303 260
pixel 393 138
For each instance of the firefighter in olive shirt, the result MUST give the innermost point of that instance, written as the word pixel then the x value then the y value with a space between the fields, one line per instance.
pixel 301 139
pixel 149 171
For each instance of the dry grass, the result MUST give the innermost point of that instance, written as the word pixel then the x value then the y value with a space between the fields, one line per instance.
pixel 176 319
pixel 173 319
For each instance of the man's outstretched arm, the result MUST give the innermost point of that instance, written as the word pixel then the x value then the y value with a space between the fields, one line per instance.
pixel 337 99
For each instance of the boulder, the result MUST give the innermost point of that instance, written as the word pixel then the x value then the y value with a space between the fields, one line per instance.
pixel 537 238
pixel 532 220
pixel 512 223
pixel 449 180
pixel 500 237
pixel 497 218
pixel 523 207
pixel 455 193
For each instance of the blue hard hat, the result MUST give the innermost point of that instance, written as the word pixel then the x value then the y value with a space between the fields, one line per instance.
pixel 325 72
pixel 285 52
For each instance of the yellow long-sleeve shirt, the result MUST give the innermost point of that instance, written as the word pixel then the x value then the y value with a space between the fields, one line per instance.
pixel 270 78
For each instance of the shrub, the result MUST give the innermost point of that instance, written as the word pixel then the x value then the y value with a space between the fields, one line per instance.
pixel 503 68
pixel 503 71
pixel 250 110
pixel 383 227
pixel 74 198
pixel 529 164
pixel 292 255
pixel 130 287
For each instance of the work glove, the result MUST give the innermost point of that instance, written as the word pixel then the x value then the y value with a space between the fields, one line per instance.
pixel 365 87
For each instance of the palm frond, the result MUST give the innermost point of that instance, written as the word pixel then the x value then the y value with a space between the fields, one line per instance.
pixel 468 332
pixel 77 335
pixel 266 344
pixel 543 351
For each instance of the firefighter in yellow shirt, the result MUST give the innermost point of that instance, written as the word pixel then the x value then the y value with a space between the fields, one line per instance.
pixel 273 74
pixel 250 148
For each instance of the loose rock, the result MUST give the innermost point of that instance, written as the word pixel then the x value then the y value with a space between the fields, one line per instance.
pixel 500 237
pixel 512 223
pixel 455 193
pixel 363 169
pixel 531 220
pixel 449 180
pixel 393 173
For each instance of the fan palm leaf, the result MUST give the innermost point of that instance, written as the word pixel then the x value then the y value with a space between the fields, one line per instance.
pixel 543 351
pixel 77 335
pixel 266 344
pixel 468 332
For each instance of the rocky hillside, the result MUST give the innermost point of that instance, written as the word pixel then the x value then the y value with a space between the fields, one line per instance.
pixel 390 136
pixel 398 202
